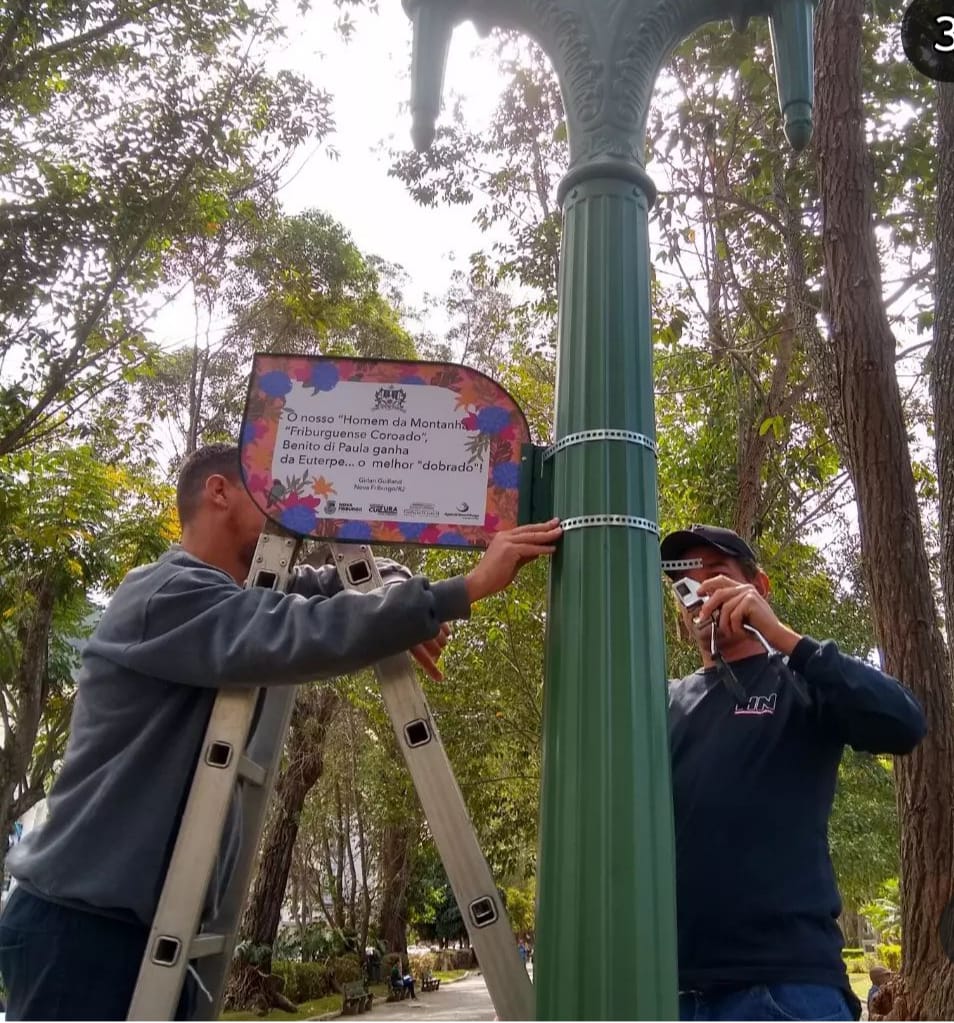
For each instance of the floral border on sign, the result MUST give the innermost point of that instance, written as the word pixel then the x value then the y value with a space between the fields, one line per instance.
pixel 294 502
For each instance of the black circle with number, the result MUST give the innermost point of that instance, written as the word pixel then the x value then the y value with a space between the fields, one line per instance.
pixel 927 34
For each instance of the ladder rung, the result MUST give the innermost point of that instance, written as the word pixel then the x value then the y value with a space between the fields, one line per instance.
pixel 204 945
pixel 253 773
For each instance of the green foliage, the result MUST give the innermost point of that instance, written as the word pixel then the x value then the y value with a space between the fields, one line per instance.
pixel 70 526
pixel 305 981
pixel 855 960
pixel 890 956
pixel 288 284
pixel 314 943
pixel 448 923
pixel 426 893
pixel 92 522
pixel 884 912
pixel 255 955
pixel 863 834
pixel 343 824
pixel 345 968
pixel 491 717
pixel 422 964
pixel 136 140
pixel 521 907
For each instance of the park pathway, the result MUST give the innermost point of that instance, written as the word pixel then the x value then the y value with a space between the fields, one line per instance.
pixel 466 998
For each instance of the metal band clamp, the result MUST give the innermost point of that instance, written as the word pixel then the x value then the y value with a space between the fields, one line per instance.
pixel 589 436
pixel 630 521
pixel 682 566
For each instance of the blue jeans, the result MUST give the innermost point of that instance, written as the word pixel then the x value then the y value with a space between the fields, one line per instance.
pixel 767 1002
pixel 62 963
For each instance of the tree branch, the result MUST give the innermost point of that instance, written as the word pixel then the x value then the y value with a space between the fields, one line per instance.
pixel 14 72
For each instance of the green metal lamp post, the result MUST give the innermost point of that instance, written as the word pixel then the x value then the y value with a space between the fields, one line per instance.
pixel 606 941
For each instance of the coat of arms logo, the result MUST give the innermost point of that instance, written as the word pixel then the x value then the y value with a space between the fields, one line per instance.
pixel 390 397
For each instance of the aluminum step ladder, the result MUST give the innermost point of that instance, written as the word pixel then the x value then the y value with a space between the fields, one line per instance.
pixel 243 743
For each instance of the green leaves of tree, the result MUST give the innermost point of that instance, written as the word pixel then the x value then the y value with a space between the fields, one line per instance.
pixel 70 527
pixel 130 133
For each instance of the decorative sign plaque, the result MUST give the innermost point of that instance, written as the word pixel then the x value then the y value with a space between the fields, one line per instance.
pixel 376 451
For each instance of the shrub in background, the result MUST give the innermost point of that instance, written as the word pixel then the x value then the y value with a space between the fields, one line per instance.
pixel 422 964
pixel 345 969
pixel 890 956
pixel 303 981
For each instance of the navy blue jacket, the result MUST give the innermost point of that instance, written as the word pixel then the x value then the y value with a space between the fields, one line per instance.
pixel 753 786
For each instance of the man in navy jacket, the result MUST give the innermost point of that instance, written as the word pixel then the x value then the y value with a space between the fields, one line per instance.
pixel 755 749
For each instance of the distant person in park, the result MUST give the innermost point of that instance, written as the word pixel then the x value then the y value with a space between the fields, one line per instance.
pixel 73 932
pixel 755 742
pixel 401 980
pixel 879 994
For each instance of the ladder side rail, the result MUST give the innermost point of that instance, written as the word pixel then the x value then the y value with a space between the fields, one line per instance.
pixel 166 958
pixel 485 917
pixel 269 734
pixel 185 887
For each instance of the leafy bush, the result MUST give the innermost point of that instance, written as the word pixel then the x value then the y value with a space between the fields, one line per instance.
pixel 345 969
pixel 422 964
pixel 521 907
pixel 854 960
pixel 256 955
pixel 856 964
pixel 455 959
pixel 303 981
pixel 314 943
pixel 890 956
pixel 884 913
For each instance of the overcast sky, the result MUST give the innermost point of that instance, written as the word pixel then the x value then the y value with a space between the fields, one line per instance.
pixel 370 79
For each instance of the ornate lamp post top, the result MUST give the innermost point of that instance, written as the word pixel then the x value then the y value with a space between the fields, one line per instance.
pixel 607 54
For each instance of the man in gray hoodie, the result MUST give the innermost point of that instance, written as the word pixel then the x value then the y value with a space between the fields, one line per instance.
pixel 73 932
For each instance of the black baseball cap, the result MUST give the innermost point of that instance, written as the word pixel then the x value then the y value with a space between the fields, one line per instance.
pixel 675 545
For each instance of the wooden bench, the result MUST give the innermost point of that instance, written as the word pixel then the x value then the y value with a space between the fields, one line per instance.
pixel 429 982
pixel 397 992
pixel 357 998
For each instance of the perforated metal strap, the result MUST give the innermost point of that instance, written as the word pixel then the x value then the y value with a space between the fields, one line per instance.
pixel 629 521
pixel 683 565
pixel 590 436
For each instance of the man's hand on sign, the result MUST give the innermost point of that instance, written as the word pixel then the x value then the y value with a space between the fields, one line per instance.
pixel 508 552
pixel 427 654
pixel 740 604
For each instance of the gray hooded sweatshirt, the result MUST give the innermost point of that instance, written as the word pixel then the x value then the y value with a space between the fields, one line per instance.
pixel 174 633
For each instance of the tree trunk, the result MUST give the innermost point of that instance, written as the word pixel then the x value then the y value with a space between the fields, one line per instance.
pixel 249 984
pixel 804 313
pixel 905 615
pixel 396 869
pixel 23 706
pixel 942 372
pixel 363 925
